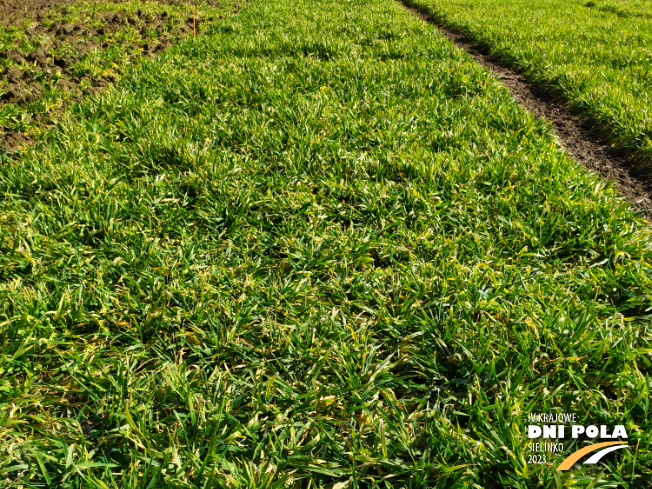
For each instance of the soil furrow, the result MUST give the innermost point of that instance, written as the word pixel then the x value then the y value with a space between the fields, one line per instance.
pixel 576 135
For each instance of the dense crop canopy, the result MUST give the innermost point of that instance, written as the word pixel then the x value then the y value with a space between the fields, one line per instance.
pixel 318 245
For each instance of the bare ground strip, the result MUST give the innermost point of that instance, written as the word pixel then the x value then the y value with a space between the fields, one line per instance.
pixel 575 134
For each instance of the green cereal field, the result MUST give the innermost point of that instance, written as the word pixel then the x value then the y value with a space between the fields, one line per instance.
pixel 318 246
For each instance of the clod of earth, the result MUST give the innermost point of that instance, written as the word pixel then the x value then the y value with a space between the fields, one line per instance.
pixel 76 50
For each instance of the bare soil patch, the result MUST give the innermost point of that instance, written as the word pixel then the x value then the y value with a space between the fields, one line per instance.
pixel 54 61
pixel 15 11
pixel 577 136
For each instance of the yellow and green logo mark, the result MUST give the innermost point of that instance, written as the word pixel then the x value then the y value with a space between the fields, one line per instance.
pixel 607 447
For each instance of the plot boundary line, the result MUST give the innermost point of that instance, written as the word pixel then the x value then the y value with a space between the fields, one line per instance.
pixel 574 133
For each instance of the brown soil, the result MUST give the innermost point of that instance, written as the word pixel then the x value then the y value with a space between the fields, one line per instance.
pixel 577 136
pixel 27 74
pixel 13 12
